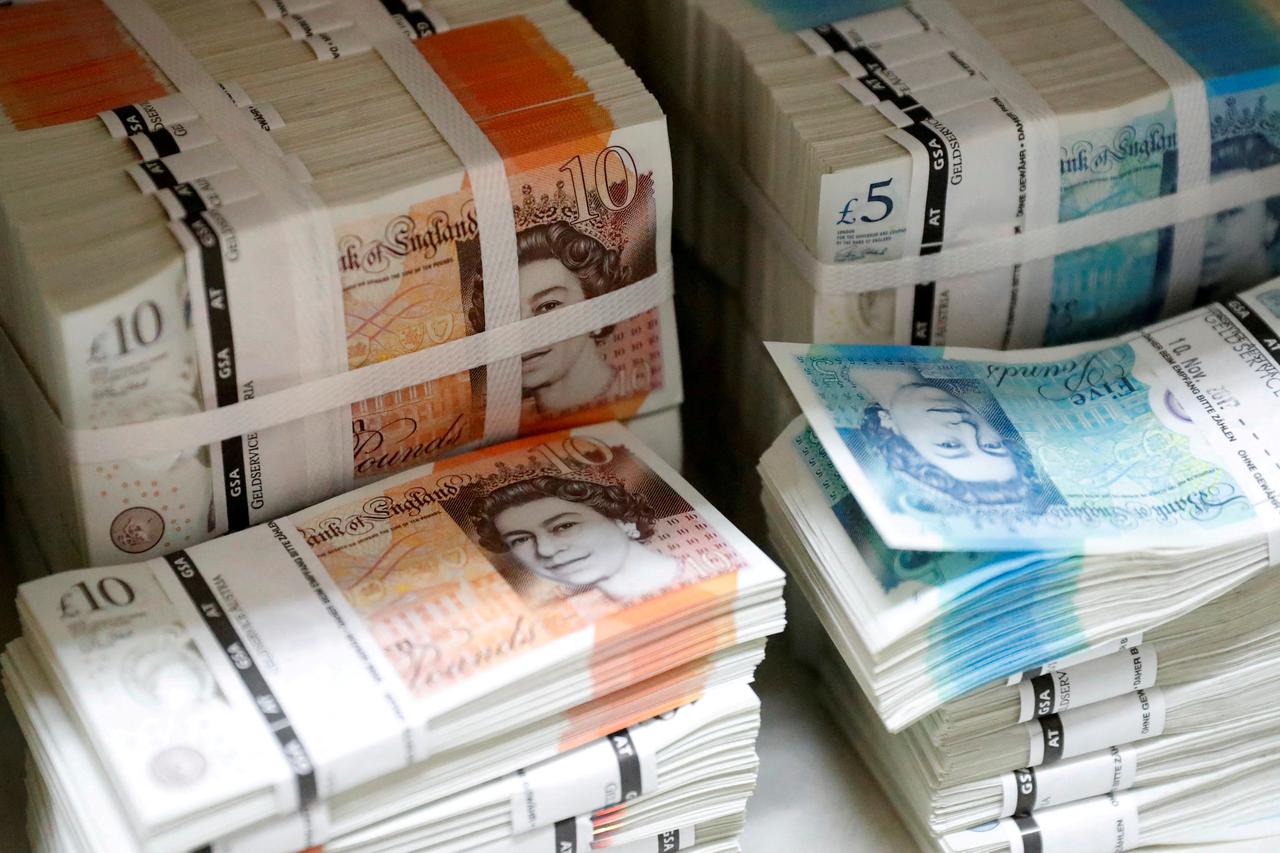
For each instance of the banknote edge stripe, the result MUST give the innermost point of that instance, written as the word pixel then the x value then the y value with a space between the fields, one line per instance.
pixel 1030 834
pixel 1024 781
pixel 416 19
pixel 162 140
pixel 566 832
pixel 628 756
pixel 233 646
pixel 934 227
pixel 1053 735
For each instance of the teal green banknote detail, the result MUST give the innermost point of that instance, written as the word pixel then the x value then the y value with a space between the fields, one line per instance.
pixel 798 14
pixel 1102 290
pixel 1001 612
pixel 1007 454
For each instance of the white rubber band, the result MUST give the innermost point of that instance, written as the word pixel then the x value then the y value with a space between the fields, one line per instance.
pixel 492 195
pixel 172 435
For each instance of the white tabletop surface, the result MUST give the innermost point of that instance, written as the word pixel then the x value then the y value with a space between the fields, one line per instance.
pixel 814 794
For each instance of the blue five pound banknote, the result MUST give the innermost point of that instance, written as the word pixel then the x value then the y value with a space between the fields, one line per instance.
pixel 1108 159
pixel 1168 438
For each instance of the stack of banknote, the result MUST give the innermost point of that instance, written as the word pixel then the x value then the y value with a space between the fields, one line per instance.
pixel 1048 578
pixel 359 247
pixel 805 133
pixel 544 645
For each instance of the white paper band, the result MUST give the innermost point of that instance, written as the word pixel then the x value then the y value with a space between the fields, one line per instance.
pixel 1086 683
pixel 1124 719
pixel 1101 825
pixel 1043 177
pixel 1031 788
pixel 232 615
pixel 600 774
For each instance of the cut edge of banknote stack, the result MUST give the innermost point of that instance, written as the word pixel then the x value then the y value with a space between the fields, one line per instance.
pixel 166 160
pixel 785 158
pixel 544 645
pixel 1047 578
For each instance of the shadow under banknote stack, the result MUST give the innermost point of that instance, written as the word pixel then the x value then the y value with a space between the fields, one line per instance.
pixel 992 173
pixel 257 254
pixel 1048 578
pixel 540 646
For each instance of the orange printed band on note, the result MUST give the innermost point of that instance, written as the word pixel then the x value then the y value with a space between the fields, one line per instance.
pixel 527 71
pixel 67 60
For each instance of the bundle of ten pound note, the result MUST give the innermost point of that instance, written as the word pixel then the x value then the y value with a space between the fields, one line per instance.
pixel 306 249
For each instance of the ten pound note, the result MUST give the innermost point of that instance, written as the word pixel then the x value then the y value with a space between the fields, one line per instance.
pixel 260 673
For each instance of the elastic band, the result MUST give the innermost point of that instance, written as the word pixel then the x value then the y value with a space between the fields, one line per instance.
pixel 173 435
pixel 492 195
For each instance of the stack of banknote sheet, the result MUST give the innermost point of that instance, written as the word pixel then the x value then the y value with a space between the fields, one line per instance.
pixel 1048 578
pixel 544 645
pixel 256 254
pixel 990 173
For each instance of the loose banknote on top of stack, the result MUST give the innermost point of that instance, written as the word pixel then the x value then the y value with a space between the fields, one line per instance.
pixel 233 206
pixel 826 149
pixel 538 647
pixel 1049 578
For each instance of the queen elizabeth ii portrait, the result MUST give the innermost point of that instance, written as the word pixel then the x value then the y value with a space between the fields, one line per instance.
pixel 577 532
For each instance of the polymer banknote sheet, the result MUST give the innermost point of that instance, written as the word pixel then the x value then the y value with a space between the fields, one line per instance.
pixel 1162 440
